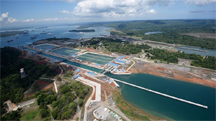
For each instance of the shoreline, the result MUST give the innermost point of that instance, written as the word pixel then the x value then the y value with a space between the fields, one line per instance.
pixel 151 116
pixel 203 82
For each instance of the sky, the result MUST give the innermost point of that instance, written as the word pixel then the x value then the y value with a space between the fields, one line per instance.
pixel 18 13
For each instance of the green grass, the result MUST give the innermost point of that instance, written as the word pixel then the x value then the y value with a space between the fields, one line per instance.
pixel 32 113
pixel 29 115
pixel 37 117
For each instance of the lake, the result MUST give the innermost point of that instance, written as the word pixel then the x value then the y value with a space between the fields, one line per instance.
pixel 165 107
pixel 209 52
pixel 155 32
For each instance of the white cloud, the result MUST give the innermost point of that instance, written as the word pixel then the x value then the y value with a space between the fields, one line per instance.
pixel 200 2
pixel 65 11
pixel 117 8
pixel 11 20
pixel 28 20
pixel 5 18
pixel 151 11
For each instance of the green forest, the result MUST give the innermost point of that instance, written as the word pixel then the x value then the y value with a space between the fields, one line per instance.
pixel 123 47
pixel 127 48
pixel 172 30
pixel 172 57
pixel 116 45
pixel 12 85
pixel 175 38
pixel 64 104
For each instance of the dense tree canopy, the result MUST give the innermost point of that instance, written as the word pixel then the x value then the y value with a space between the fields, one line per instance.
pixel 172 30
pixel 12 85
pixel 117 45
pixel 175 38
pixel 65 102
pixel 172 57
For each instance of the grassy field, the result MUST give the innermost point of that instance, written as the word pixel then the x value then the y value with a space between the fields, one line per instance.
pixel 130 111
pixel 29 113
pixel 32 113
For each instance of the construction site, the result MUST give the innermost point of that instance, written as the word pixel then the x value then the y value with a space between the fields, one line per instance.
pixel 90 68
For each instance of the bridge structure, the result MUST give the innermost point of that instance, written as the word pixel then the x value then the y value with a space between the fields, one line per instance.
pixel 108 68
pixel 165 95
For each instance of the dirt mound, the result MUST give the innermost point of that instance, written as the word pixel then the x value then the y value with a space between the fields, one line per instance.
pixel 44 85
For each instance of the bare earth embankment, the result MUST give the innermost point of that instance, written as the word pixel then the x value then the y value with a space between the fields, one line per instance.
pixel 197 76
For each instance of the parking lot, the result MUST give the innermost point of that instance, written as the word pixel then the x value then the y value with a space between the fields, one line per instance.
pixel 105 114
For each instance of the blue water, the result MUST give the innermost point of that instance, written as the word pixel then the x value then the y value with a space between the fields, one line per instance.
pixel 159 105
pixel 99 59
pixel 65 51
pixel 165 107
pixel 57 31
pixel 147 101
pixel 156 32
pixel 209 52
pixel 68 62
pixel 82 66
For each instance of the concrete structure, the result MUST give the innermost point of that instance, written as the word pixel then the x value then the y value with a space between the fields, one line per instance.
pixel 97 85
pixel 23 74
pixel 25 103
pixel 11 106
pixel 120 61
pixel 97 95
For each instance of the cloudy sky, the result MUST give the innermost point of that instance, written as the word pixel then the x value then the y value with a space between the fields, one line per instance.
pixel 42 12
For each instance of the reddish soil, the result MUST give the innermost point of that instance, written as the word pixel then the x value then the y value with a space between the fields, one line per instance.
pixel 197 81
pixel 40 62
pixel 91 49
pixel 124 108
pixel 59 71
pixel 161 68
pixel 138 119
pixel 176 74
pixel 104 87
pixel 112 84
pixel 22 55
pixel 43 85
pixel 93 98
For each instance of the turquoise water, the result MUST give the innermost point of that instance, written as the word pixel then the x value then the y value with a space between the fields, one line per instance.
pixel 65 51
pixel 70 62
pixel 82 66
pixel 209 52
pixel 165 107
pixel 100 59
pixel 159 105
pixel 45 46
